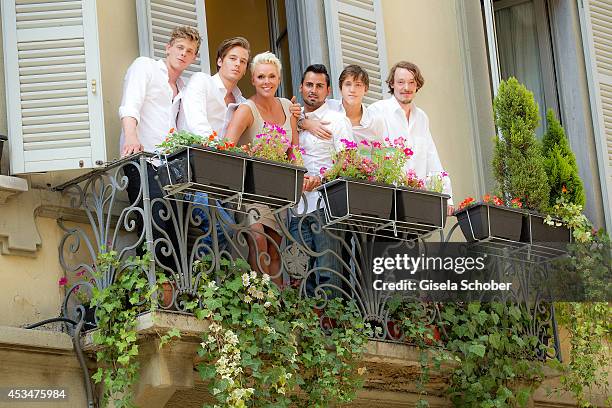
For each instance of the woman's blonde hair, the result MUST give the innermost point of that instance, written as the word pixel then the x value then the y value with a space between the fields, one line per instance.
pixel 266 58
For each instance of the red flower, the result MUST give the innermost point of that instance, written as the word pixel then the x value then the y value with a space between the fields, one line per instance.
pixel 171 130
pixel 466 203
pixel 63 281
pixel 497 201
pixel 487 198
pixel 564 189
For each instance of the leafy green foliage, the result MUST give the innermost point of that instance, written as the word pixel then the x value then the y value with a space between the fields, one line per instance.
pixel 590 330
pixel 517 162
pixel 491 345
pixel 116 308
pixel 266 348
pixel 560 164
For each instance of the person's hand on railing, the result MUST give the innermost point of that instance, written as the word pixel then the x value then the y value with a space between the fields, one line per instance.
pixel 311 182
pixel 450 210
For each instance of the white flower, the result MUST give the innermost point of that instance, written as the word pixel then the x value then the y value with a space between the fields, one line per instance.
pixel 253 274
pixel 265 278
pixel 267 304
pixel 248 299
pixel 212 285
pixel 259 294
pixel 246 279
pixel 216 391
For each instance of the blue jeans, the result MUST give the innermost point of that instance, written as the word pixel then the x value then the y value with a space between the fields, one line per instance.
pixel 318 242
pixel 202 198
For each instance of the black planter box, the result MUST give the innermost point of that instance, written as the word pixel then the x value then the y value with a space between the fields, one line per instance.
pixel 345 197
pixel 218 170
pixel 273 183
pixel 535 231
pixel 490 221
pixel 420 207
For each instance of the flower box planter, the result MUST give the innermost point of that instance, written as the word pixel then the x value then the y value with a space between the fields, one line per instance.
pixel 346 197
pixel 273 183
pixel 424 208
pixel 485 221
pixel 219 171
pixel 536 232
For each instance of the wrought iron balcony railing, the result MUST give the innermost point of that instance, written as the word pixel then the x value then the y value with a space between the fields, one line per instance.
pixel 180 229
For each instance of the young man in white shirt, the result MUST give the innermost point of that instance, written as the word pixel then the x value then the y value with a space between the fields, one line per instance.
pixel 354 84
pixel 149 108
pixel 403 118
pixel 318 154
pixel 206 98
pixel 206 101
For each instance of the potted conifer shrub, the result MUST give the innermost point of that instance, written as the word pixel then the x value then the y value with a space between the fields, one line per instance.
pixel 518 165
pixel 565 183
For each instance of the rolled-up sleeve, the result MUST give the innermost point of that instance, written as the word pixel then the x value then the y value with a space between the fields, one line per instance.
pixel 135 88
pixel 194 105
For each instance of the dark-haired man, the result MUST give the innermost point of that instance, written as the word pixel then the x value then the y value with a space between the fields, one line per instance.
pixel 318 155
pixel 403 118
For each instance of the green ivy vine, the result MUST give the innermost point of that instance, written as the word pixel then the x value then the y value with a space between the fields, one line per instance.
pixel 266 348
pixel 492 357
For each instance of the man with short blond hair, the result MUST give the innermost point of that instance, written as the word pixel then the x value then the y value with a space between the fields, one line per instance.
pixel 151 101
pixel 152 93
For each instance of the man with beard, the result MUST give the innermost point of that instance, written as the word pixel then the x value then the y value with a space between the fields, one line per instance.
pixel 403 118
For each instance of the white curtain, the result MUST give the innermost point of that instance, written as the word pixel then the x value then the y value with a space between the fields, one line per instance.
pixel 518 50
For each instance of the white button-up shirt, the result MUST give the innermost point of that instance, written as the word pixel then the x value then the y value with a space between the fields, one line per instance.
pixel 148 97
pixel 425 160
pixel 318 152
pixel 370 127
pixel 204 110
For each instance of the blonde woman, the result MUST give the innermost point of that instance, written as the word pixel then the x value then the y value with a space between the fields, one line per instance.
pixel 248 121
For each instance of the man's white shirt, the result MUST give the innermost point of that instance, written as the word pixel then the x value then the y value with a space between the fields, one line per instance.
pixel 370 127
pixel 148 97
pixel 204 110
pixel 318 152
pixel 425 160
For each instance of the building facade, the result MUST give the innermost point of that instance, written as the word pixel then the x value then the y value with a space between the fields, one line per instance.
pixel 63 64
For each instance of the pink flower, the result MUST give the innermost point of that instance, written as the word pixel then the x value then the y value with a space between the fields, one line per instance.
pixel 376 145
pixel 408 151
pixel 364 142
pixel 444 174
pixel 322 170
pixel 63 281
pixel 81 272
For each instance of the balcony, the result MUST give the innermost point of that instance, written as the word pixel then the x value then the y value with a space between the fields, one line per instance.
pixel 177 237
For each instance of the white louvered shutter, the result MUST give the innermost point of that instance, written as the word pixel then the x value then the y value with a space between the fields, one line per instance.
pixel 356 36
pixel 157 19
pixel 55 114
pixel 596 19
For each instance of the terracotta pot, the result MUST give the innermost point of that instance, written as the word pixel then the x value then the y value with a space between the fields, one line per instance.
pixel 166 294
